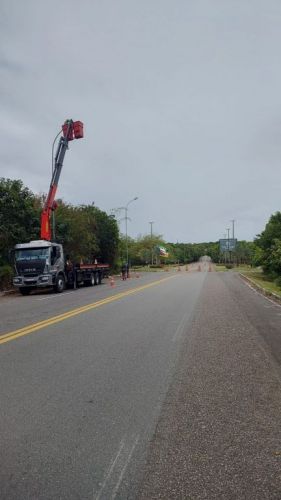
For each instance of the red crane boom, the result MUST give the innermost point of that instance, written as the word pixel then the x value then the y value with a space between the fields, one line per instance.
pixel 71 130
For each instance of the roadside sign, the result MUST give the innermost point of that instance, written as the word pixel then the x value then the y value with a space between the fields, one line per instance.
pixel 228 245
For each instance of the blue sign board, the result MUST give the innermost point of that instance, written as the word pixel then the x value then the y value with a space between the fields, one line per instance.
pixel 228 245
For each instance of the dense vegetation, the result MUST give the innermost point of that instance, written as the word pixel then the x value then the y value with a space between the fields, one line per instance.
pixel 268 248
pixel 88 232
pixel 142 249
pixel 85 231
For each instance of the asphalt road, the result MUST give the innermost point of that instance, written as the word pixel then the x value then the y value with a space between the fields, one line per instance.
pixel 166 386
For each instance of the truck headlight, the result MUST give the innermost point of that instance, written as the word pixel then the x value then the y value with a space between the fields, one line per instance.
pixel 44 278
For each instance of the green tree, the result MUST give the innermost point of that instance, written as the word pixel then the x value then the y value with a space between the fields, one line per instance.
pixel 269 242
pixel 140 250
pixel 107 234
pixel 19 216
pixel 274 260
pixel 146 248
pixel 87 233
pixel 244 252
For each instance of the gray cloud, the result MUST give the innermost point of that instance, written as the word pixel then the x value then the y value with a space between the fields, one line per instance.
pixel 180 100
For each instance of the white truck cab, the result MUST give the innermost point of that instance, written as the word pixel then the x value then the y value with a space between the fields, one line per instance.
pixel 39 264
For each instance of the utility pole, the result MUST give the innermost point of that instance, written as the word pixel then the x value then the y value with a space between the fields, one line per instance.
pixel 151 234
pixel 228 229
pixel 232 220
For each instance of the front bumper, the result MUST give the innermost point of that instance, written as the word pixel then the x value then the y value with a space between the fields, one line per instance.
pixel 34 281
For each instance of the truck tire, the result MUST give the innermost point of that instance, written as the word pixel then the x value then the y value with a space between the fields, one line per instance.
pixel 92 281
pixel 60 284
pixel 25 291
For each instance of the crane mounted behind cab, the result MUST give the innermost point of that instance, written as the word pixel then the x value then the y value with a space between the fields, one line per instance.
pixel 70 130
pixel 42 263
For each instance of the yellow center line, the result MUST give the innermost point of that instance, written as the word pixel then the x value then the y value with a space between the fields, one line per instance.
pixel 8 337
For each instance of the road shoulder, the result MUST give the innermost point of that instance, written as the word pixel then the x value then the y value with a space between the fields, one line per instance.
pixel 219 433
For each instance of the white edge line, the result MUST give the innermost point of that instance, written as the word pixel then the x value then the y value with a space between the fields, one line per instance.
pixel 114 493
pixel 107 477
pixel 261 294
pixel 56 296
pixel 179 331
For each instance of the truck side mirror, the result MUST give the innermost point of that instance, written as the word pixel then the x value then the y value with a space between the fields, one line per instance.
pixel 11 256
pixel 53 255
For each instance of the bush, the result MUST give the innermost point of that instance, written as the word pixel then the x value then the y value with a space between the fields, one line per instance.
pixel 278 281
pixel 6 274
pixel 229 266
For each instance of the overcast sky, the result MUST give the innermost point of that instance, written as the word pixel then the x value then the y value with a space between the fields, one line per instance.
pixel 180 99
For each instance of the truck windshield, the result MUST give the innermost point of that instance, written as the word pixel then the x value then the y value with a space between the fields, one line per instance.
pixel 32 254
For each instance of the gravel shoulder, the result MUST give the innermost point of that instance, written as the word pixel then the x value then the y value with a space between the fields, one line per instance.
pixel 219 433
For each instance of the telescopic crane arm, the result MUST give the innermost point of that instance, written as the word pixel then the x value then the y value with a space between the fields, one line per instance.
pixel 70 131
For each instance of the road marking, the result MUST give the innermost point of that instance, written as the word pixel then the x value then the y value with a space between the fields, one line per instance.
pixel 74 312
pixel 62 295
pixel 111 468
pixel 261 294
pixel 180 329
pixel 117 469
pixel 56 296
pixel 115 491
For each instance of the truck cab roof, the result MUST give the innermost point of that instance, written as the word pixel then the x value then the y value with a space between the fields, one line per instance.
pixel 35 244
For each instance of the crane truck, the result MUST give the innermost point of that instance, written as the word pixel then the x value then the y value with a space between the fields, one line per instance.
pixel 42 263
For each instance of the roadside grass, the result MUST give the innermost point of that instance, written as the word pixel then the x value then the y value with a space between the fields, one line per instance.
pixel 157 269
pixel 258 277
pixel 147 269
pixel 220 267
pixel 240 267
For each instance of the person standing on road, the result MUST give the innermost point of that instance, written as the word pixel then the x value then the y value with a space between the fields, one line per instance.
pixel 127 270
pixel 124 271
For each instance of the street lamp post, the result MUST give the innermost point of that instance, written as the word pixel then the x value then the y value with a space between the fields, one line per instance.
pixel 233 221
pixel 151 224
pixel 125 208
pixel 126 219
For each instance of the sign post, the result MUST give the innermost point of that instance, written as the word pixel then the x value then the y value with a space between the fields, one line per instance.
pixel 227 245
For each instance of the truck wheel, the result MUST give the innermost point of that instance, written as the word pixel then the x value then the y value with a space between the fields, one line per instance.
pixel 60 284
pixel 92 281
pixel 25 291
